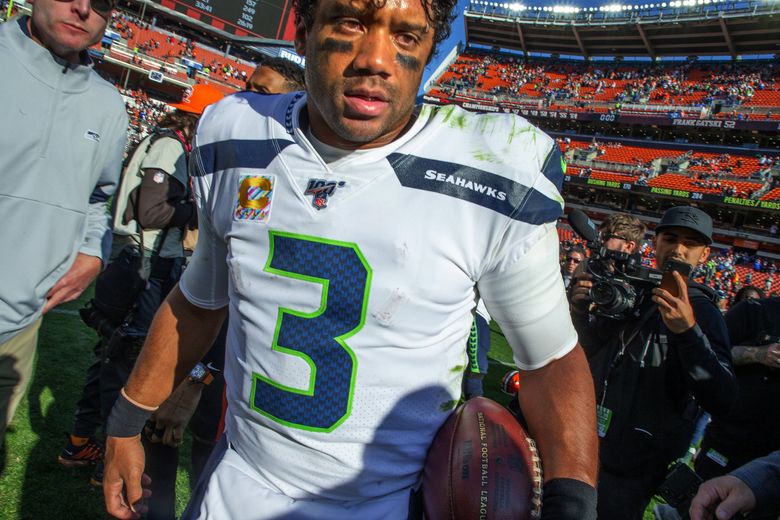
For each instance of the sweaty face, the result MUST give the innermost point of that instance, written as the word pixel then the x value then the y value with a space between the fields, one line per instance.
pixel 66 27
pixel 364 65
pixel 267 81
pixel 680 244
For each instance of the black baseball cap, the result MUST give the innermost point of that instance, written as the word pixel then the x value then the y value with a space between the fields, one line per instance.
pixel 689 218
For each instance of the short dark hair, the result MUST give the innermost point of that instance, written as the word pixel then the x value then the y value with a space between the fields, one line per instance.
pixel 440 14
pixel 742 294
pixel 291 71
pixel 576 248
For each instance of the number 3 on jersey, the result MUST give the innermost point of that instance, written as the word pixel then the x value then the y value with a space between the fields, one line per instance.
pixel 319 338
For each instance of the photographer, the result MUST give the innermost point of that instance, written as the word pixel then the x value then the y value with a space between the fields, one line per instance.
pixel 650 362
pixel 621 232
pixel 152 210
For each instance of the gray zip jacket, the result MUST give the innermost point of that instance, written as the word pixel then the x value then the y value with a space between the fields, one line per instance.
pixel 62 136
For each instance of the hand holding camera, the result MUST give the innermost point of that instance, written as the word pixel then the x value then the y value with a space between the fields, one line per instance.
pixel 579 294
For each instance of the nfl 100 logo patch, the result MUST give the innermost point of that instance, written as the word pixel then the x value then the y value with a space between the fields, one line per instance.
pixel 255 193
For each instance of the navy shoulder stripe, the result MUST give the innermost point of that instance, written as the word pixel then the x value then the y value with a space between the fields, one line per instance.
pixel 240 153
pixel 476 186
pixel 98 196
pixel 554 167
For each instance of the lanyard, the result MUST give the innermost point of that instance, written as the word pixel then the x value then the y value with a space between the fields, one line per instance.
pixel 623 347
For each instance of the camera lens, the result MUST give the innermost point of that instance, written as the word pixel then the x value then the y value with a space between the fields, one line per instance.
pixel 613 297
pixel 603 294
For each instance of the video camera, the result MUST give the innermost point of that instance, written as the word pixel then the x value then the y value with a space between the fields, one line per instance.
pixel 619 279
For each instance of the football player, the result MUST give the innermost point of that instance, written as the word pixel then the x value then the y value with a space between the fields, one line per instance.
pixel 346 232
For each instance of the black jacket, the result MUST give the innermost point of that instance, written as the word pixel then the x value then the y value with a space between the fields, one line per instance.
pixel 752 428
pixel 655 384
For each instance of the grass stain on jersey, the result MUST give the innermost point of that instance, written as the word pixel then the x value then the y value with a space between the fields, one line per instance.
pixel 487 119
pixel 448 405
pixel 458 368
pixel 516 132
pixel 455 121
pixel 485 156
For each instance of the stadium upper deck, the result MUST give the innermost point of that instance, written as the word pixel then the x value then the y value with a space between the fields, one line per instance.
pixel 639 73
pixel 676 28
pixel 743 90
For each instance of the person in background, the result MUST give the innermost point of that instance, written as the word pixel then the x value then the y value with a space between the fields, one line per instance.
pixel 276 76
pixel 748 292
pixel 751 429
pixel 753 488
pixel 153 210
pixel 57 172
pixel 622 232
pixel 653 368
pixel 571 260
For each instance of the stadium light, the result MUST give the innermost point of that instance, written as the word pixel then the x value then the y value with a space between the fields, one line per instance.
pixel 611 8
pixel 517 7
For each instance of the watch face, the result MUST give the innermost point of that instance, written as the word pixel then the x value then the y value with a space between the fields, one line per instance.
pixel 198 372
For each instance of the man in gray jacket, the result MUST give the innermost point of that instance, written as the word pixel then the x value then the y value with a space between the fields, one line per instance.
pixel 62 135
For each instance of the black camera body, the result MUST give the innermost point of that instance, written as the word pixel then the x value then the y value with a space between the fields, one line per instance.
pixel 679 487
pixel 620 281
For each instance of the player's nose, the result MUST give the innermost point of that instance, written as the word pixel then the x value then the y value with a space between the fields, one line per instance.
pixel 375 53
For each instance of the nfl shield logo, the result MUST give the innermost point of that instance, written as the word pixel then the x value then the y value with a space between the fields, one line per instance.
pixel 320 190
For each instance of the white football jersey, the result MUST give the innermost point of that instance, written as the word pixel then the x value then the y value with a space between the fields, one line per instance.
pixel 351 285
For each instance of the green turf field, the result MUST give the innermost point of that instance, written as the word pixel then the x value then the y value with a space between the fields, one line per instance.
pixel 32 485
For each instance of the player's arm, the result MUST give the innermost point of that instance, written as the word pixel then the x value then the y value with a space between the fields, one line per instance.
pixel 181 333
pixel 524 293
pixel 179 337
pixel 558 402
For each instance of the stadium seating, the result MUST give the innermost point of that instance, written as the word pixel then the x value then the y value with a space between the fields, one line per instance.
pixel 671 85
pixel 142 40
pixel 772 195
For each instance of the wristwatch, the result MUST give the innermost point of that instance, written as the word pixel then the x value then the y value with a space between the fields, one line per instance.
pixel 200 374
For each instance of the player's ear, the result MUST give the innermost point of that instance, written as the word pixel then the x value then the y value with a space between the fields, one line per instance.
pixel 300 36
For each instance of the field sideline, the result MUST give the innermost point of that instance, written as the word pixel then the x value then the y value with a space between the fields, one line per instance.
pixel 32 485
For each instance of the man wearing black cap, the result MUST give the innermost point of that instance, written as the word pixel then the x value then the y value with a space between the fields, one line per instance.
pixel 654 369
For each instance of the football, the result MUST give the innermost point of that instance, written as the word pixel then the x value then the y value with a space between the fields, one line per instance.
pixel 482 464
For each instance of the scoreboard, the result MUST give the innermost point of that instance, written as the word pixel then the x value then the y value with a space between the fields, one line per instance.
pixel 262 18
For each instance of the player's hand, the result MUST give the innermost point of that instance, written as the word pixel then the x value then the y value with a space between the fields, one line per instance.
pixel 168 422
pixel 125 485
pixel 771 355
pixel 721 498
pixel 579 294
pixel 84 269
pixel 676 312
